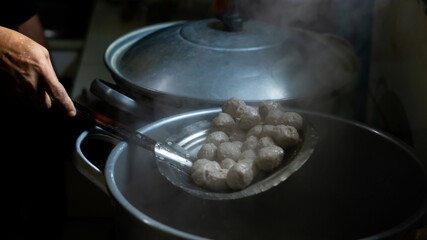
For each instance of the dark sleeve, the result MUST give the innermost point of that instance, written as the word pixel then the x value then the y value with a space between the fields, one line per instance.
pixel 15 12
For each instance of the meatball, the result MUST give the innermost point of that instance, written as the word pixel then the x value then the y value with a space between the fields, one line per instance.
pixel 207 151
pixel 198 164
pixel 250 143
pixel 229 150
pixel 231 105
pixel 217 138
pixel 223 122
pixel 248 154
pixel 255 131
pixel 227 163
pixel 268 106
pixel 277 117
pixel 267 131
pixel 249 157
pixel 217 180
pixel 274 117
pixel 286 136
pixel 201 169
pixel 237 134
pixel 292 119
pixel 240 144
pixel 264 142
pixel 269 157
pixel 240 176
pixel 247 117
pixel 252 163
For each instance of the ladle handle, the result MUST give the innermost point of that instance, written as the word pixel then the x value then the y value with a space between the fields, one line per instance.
pixel 161 151
pixel 115 127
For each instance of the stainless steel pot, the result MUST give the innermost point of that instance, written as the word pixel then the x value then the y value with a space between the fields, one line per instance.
pixel 358 183
pixel 182 66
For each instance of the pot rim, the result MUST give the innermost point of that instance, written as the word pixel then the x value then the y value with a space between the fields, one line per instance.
pixel 121 146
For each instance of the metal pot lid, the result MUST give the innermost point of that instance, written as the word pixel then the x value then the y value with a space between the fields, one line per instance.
pixel 201 60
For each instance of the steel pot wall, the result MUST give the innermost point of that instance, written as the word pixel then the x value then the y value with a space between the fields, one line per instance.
pixel 359 183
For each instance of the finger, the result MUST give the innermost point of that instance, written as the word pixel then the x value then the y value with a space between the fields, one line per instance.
pixel 59 96
pixel 47 100
pixel 41 98
pixel 57 92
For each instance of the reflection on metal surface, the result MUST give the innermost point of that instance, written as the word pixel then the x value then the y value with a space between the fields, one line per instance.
pixel 174 158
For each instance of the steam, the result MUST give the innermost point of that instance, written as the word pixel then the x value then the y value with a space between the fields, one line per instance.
pixel 322 16
pixel 323 64
pixel 315 15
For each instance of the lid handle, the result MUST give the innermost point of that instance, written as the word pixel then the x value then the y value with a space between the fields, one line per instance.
pixel 233 19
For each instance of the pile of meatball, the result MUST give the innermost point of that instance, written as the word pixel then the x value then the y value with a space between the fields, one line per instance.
pixel 244 140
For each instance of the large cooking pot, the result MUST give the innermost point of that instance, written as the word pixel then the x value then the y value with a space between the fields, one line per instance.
pixel 181 66
pixel 358 183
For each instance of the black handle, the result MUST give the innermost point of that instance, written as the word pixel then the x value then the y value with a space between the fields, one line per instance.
pixel 110 94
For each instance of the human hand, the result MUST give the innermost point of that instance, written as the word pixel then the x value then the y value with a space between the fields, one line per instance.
pixel 30 71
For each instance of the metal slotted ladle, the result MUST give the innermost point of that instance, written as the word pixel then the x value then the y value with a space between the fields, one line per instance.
pixel 163 152
pixel 174 157
pixel 191 137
